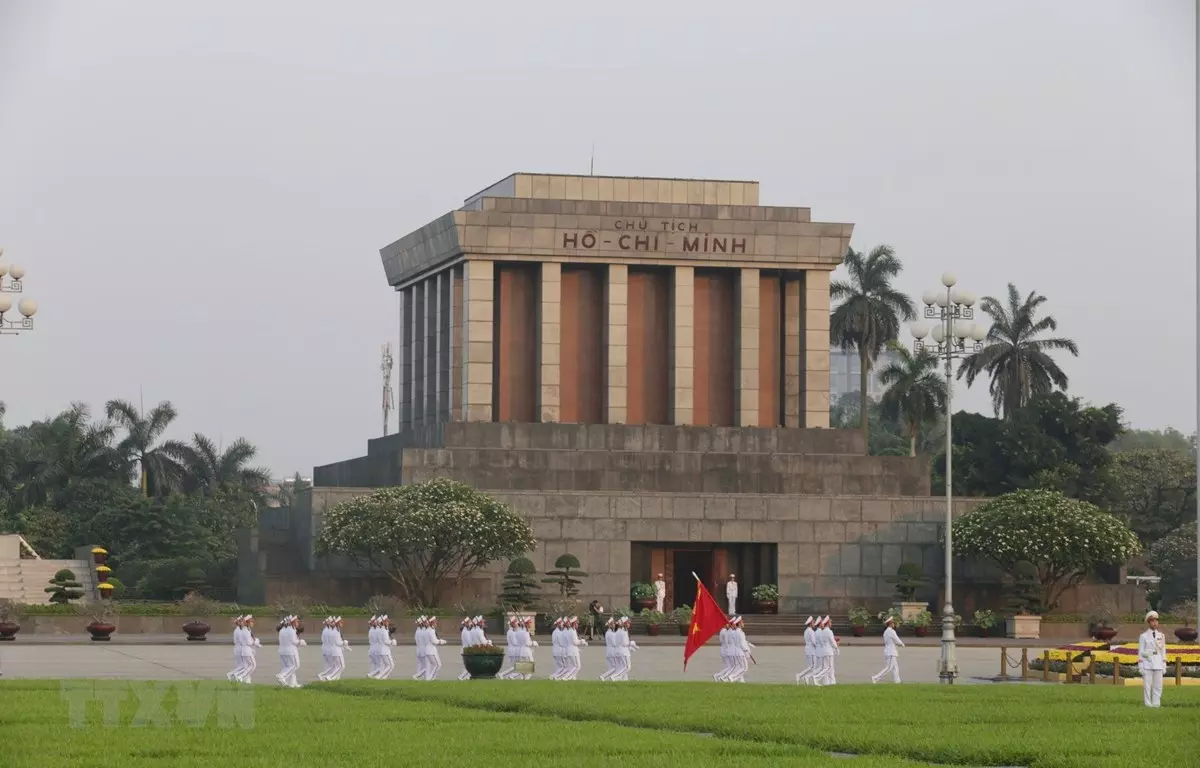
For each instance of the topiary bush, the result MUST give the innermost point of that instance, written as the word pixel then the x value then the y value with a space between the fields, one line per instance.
pixel 64 588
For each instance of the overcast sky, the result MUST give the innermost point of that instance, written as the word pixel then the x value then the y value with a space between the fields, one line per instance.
pixel 199 191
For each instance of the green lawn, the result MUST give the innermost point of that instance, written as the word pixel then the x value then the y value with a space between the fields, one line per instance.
pixel 534 723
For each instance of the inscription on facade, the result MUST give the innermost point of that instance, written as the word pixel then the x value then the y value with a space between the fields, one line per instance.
pixel 654 236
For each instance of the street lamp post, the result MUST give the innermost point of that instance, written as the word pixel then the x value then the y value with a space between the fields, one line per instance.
pixel 27 308
pixel 951 310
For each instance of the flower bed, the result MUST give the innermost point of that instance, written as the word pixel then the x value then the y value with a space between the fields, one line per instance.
pixel 1105 657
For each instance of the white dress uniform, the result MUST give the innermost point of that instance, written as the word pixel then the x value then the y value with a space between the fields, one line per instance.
pixel 374 661
pixel 338 650
pixel 723 637
pixel 239 662
pixel 573 642
pixel 610 651
pixel 831 653
pixel 433 660
pixel 327 641
pixel 742 648
pixel 420 639
pixel 466 637
pixel 249 650
pixel 819 675
pixel 1152 663
pixel 525 645
pixel 290 644
pixel 810 662
pixel 558 650
pixel 660 594
pixel 386 644
pixel 625 649
pixel 891 654
pixel 731 594
pixel 510 651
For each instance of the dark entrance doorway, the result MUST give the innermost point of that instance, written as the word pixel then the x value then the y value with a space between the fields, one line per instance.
pixel 687 562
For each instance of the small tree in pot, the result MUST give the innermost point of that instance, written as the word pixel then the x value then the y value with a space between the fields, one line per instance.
pixel 766 598
pixel 654 620
pixel 518 591
pixel 566 575
pixel 860 617
pixel 64 588
pixel 11 613
pixel 683 617
pixel 920 623
pixel 985 620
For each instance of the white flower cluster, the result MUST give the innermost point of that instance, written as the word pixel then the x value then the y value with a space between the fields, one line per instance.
pixel 1044 527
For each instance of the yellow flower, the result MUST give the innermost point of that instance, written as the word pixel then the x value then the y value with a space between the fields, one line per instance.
pixel 103 569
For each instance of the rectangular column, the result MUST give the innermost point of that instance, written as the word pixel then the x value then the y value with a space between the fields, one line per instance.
pixel 515 373
pixel 549 355
pixel 648 393
pixel 747 336
pixel 793 367
pixel 403 360
pixel 445 343
pixel 418 354
pixel 583 363
pixel 683 346
pixel 432 323
pixel 456 344
pixel 816 348
pixel 478 352
pixel 616 337
pixel 770 351
pixel 715 374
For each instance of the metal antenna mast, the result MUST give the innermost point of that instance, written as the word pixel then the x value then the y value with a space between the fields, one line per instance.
pixel 386 367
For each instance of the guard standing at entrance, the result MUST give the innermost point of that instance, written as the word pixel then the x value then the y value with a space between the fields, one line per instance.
pixel 731 594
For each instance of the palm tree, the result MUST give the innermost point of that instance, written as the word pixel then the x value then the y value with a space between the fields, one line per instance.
pixel 141 447
pixel 916 392
pixel 52 455
pixel 206 468
pixel 869 314
pixel 1017 361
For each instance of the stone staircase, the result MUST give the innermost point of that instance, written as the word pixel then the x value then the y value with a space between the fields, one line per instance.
pixel 24 580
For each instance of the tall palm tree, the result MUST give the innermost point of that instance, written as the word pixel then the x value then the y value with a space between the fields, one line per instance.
pixel 141 447
pixel 916 392
pixel 54 454
pixel 207 469
pixel 1018 362
pixel 870 311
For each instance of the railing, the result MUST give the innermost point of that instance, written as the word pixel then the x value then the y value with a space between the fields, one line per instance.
pixel 1077 672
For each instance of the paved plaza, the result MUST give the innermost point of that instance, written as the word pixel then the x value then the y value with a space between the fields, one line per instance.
pixel 775 663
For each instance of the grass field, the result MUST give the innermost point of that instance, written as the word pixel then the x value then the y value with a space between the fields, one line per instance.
pixel 365 723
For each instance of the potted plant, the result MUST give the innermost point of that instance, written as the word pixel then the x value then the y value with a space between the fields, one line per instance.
pixel 860 617
pixel 920 623
pixel 100 555
pixel 10 619
pixel 101 616
pixel 1186 611
pixel 483 661
pixel 1025 600
pixel 1100 622
pixel 654 620
pixel 766 598
pixel 641 595
pixel 518 592
pixel 565 575
pixel 199 607
pixel 908 579
pixel 985 620
pixel 683 617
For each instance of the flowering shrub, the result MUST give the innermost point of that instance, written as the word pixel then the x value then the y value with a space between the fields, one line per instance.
pixel 425 535
pixel 483 650
pixel 1065 538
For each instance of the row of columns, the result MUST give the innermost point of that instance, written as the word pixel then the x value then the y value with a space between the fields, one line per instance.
pixel 448 348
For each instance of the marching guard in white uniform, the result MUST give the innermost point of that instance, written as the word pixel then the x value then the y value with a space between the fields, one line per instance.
pixel 741 651
pixel 239 661
pixel 558 650
pixel 386 643
pixel 290 644
pixel 327 634
pixel 466 636
pixel 573 642
pixel 830 647
pixel 891 656
pixel 625 648
pixel 820 673
pixel 373 661
pixel 510 651
pixel 525 643
pixel 432 659
pixel 726 663
pixel 1152 661
pixel 805 675
pixel 245 644
pixel 610 649
pixel 339 647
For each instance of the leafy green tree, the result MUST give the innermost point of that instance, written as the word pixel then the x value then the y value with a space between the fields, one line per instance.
pixel 916 392
pixel 1015 356
pixel 54 454
pixel 886 436
pixel 1154 440
pixel 869 312
pixel 1173 558
pixel 425 536
pixel 1155 490
pixel 142 446
pixel 1065 539
pixel 519 589
pixel 207 469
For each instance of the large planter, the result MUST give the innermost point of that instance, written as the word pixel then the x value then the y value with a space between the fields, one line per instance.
pixel 196 631
pixel 100 631
pixel 8 631
pixel 483 666
pixel 646 602
pixel 920 631
pixel 653 630
pixel 984 631
pixel 858 631
pixel 909 610
pixel 1023 627
pixel 766 606
pixel 1104 634
pixel 1185 634
pixel 683 629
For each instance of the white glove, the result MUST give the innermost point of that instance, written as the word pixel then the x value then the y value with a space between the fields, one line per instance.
pixel 257 643
pixel 441 642
pixel 303 642
pixel 633 645
pixel 534 644
pixel 391 642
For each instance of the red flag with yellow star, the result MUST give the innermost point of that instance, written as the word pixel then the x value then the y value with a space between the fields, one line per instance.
pixel 707 620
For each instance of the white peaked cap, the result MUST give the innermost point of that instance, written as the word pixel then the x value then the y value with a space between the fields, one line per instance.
pixel 478 618
pixel 247 617
pixel 808 621
pixel 383 617
pixel 1151 615
pixel 889 620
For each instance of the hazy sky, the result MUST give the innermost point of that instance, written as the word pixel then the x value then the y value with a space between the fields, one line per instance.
pixel 199 191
